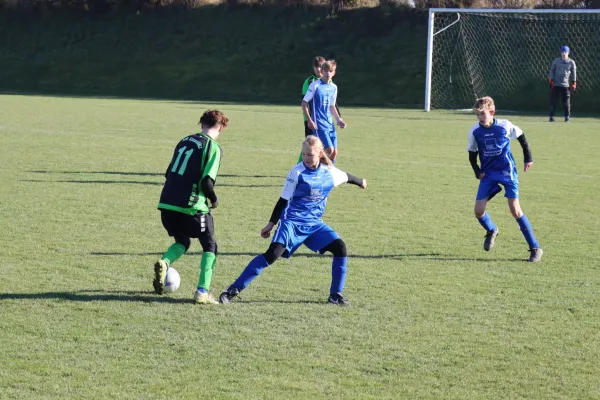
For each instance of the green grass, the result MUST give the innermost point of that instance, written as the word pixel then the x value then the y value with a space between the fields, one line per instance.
pixel 433 315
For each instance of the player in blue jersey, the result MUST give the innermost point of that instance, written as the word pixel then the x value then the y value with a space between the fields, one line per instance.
pixel 298 212
pixel 323 94
pixel 490 139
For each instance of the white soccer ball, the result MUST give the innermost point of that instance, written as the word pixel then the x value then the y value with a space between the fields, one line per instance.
pixel 172 281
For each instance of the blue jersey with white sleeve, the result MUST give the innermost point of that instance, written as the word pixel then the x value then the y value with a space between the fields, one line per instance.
pixel 323 96
pixel 306 191
pixel 493 145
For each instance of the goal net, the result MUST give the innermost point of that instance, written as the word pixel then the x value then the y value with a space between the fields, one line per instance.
pixel 507 54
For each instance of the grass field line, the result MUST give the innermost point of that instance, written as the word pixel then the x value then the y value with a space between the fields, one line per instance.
pixel 358 157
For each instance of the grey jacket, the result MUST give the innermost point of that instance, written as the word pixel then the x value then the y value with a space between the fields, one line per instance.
pixel 563 72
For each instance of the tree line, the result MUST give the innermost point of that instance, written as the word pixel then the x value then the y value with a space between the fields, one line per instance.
pixel 101 6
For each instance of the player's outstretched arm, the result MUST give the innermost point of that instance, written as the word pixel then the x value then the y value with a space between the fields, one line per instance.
pixel 360 182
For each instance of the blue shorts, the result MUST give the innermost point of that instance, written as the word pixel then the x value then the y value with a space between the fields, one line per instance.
pixel 490 186
pixel 292 235
pixel 329 138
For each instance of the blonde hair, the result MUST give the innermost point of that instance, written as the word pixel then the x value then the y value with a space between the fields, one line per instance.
pixel 329 65
pixel 484 104
pixel 314 141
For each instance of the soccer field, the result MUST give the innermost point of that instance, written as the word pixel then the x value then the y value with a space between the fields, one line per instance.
pixel 433 315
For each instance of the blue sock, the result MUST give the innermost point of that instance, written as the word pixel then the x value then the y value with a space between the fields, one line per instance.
pixel 338 274
pixel 487 223
pixel 253 270
pixel 528 232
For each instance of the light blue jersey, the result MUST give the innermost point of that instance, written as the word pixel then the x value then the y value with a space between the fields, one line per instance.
pixel 306 191
pixel 493 145
pixel 323 96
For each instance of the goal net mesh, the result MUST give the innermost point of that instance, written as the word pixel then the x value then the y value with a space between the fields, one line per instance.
pixel 508 56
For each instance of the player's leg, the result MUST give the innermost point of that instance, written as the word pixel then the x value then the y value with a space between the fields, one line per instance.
pixel 328 144
pixel 206 236
pixel 174 224
pixel 325 239
pixel 526 229
pixel 566 98
pixel 488 188
pixel 334 152
pixel 553 101
pixel 253 270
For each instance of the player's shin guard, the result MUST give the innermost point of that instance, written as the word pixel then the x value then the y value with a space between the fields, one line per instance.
pixel 486 222
pixel 173 253
pixel 207 265
pixel 528 232
pixel 338 274
pixel 253 270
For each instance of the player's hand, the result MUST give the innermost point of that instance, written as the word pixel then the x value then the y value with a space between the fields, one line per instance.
pixel 215 204
pixel 551 82
pixel 481 175
pixel 341 123
pixel 311 125
pixel 363 184
pixel 573 87
pixel 266 231
pixel 527 166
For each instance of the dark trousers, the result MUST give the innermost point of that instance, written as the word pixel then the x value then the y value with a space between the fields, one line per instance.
pixel 565 95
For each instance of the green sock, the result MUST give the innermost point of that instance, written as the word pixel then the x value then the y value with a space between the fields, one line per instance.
pixel 207 265
pixel 173 253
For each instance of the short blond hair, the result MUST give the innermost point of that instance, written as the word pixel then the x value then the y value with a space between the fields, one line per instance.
pixel 484 104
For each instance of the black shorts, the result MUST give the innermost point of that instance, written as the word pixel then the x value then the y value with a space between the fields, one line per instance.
pixel 307 131
pixel 200 226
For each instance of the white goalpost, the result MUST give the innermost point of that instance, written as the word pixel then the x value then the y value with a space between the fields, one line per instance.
pixel 506 54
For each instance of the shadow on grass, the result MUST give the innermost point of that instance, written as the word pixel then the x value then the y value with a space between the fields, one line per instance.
pixel 148 174
pixel 425 256
pixel 96 295
pixel 141 183
pixel 130 296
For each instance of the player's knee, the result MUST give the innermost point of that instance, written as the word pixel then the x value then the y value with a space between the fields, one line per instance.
pixel 274 251
pixel 337 248
pixel 210 247
pixel 517 213
pixel 184 241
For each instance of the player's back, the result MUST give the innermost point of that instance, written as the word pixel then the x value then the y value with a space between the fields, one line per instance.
pixel 182 191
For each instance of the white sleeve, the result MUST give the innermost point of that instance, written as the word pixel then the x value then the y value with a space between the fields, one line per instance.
pixel 513 130
pixel 310 93
pixel 472 146
pixel 334 102
pixel 339 176
pixel 290 185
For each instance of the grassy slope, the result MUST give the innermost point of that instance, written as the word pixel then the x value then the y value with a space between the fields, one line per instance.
pixel 254 54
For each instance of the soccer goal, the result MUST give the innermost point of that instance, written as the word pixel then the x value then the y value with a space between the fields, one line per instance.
pixel 507 54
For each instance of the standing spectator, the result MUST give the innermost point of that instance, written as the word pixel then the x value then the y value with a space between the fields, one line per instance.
pixel 563 81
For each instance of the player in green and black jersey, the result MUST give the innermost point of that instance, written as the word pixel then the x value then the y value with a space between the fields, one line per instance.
pixel 186 200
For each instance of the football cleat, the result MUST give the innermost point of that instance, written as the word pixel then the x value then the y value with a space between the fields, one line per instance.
pixel 160 274
pixel 490 239
pixel 551 119
pixel 228 295
pixel 204 298
pixel 338 299
pixel 536 255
